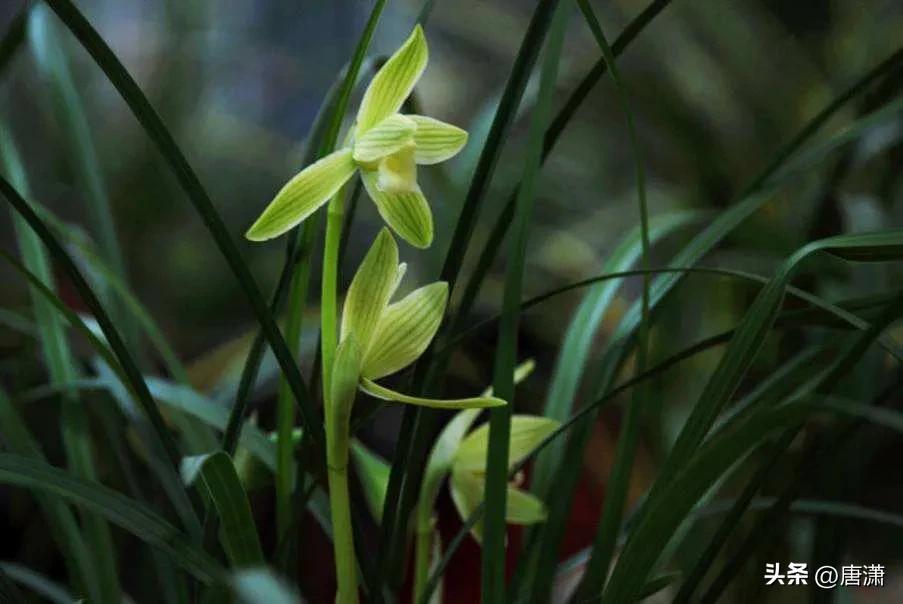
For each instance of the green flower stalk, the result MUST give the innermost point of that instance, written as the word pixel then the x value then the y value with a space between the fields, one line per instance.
pixel 463 457
pixel 385 147
pixel 378 338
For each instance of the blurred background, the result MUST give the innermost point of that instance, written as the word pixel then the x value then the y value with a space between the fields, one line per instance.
pixel 716 86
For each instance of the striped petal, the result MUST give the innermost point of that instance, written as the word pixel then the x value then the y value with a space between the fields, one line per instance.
pixel 436 141
pixel 393 83
pixel 303 194
pixel 385 138
pixel 370 290
pixel 408 214
pixel 405 330
pixel 527 431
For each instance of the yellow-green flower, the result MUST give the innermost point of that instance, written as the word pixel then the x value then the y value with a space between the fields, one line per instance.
pixel 387 337
pixel 386 147
pixel 463 456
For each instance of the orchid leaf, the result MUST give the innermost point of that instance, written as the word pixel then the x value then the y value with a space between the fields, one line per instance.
pixel 405 330
pixel 303 195
pixel 238 530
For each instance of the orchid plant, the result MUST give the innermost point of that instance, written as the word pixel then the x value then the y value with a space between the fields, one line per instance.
pixel 377 338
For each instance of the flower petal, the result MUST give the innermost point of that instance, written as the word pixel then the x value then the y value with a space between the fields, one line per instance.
pixel 385 138
pixel 405 330
pixel 467 491
pixel 527 431
pixel 523 508
pixel 442 454
pixel 370 290
pixel 397 173
pixel 303 194
pixel 393 83
pixel 408 214
pixel 436 141
pixel 381 392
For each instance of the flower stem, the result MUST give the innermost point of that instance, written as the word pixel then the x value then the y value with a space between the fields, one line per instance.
pixel 423 545
pixel 337 434
pixel 340 509
pixel 328 305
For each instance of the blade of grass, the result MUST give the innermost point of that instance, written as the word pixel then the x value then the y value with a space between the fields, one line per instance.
pixel 197 437
pixel 866 337
pixel 822 313
pixel 131 515
pixel 704 469
pixel 553 134
pixel 578 338
pixel 238 531
pixel 732 367
pixel 63 525
pixel 823 385
pixel 750 200
pixel 837 312
pixel 748 339
pixel 415 421
pixel 36 583
pixel 80 150
pixel 74 427
pixel 417 425
pixel 9 592
pixel 124 360
pixel 496 478
pixel 619 479
pixel 172 581
pixel 754 195
pixel 175 159
pixel 119 389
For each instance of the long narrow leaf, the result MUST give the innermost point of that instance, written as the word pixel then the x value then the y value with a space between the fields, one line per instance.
pixel 62 522
pixel 496 478
pixel 61 366
pixel 123 511
pixel 416 429
pixel 156 130
pixel 237 528
pixel 123 357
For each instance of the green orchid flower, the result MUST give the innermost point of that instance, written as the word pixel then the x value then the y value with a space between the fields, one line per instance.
pixel 468 470
pixel 387 337
pixel 461 453
pixel 385 147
